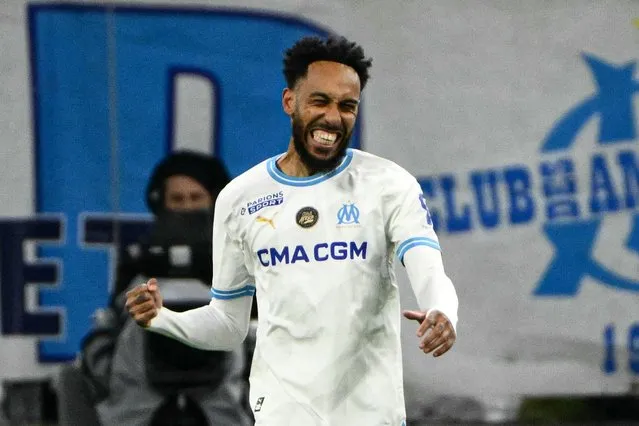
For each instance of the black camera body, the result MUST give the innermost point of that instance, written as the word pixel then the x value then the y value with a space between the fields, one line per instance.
pixel 178 245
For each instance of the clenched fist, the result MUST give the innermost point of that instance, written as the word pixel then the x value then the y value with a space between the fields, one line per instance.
pixel 144 302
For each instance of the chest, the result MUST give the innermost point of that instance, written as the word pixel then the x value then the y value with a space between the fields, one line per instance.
pixel 308 216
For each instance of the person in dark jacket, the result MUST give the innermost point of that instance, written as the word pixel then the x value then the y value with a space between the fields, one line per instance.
pixel 138 379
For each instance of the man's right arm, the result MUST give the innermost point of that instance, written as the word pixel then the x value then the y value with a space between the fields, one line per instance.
pixel 222 324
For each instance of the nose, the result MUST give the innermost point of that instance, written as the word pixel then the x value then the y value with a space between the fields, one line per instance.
pixel 332 115
pixel 184 206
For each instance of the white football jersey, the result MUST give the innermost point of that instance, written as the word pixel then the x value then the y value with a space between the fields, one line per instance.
pixel 318 252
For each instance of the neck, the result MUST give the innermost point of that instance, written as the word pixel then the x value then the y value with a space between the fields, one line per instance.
pixel 292 165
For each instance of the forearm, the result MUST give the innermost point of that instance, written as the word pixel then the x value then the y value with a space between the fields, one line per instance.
pixel 220 325
pixel 432 287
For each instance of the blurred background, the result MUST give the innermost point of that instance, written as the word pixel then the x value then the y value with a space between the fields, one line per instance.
pixel 518 117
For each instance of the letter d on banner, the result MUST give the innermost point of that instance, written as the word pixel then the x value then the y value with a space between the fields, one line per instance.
pixel 103 95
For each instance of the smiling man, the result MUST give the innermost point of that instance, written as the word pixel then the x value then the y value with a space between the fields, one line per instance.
pixel 313 232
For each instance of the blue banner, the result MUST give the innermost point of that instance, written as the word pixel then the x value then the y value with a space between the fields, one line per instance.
pixel 103 99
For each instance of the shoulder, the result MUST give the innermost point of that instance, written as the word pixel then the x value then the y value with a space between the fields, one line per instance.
pixel 250 191
pixel 244 186
pixel 380 171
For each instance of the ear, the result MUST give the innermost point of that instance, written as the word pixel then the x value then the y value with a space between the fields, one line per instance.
pixel 288 101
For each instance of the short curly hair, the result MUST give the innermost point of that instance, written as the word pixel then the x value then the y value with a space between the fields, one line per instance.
pixel 334 48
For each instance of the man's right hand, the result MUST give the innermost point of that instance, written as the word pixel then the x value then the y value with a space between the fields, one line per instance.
pixel 144 302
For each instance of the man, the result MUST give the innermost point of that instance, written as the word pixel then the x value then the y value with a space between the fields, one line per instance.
pixel 313 233
pixel 181 192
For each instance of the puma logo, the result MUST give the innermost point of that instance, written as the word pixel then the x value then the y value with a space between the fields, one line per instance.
pixel 262 219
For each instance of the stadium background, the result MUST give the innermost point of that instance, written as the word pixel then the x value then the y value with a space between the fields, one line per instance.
pixel 518 118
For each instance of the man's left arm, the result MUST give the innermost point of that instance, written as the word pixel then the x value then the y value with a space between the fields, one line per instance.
pixel 410 229
pixel 436 297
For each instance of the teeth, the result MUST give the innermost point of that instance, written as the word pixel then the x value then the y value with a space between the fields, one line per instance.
pixel 325 138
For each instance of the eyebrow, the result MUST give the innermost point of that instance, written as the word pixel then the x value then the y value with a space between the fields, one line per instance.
pixel 325 96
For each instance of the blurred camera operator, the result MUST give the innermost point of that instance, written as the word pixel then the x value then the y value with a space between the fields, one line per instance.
pixel 137 378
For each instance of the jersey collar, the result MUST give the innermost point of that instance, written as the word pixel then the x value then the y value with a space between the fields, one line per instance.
pixel 280 177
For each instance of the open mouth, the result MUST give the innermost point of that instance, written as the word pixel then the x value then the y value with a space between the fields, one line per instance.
pixel 325 137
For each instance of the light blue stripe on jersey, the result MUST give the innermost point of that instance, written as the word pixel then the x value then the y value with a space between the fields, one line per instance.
pixel 280 177
pixel 248 290
pixel 414 242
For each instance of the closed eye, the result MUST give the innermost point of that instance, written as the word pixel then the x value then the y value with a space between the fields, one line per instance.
pixel 320 101
pixel 348 106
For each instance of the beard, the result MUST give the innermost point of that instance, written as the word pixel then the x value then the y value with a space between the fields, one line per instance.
pixel 315 164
